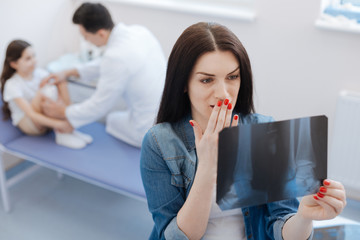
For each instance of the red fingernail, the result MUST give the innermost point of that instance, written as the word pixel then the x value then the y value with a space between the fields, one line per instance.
pixel 323 189
pixel 229 106
pixel 226 101
pixel 236 117
pixel 326 182
pixel 320 195
pixel 191 123
pixel 316 198
pixel 219 103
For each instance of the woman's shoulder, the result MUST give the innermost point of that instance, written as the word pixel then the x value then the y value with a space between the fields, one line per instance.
pixel 150 144
pixel 160 130
pixel 255 118
pixel 165 140
pixel 159 134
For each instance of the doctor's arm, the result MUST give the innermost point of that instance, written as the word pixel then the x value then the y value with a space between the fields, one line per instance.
pixel 111 85
pixel 93 108
pixel 86 72
pixel 63 75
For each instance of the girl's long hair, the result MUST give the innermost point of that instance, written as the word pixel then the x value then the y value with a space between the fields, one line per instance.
pixel 195 41
pixel 13 53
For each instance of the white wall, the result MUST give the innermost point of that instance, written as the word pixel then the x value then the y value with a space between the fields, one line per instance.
pixel 45 24
pixel 298 68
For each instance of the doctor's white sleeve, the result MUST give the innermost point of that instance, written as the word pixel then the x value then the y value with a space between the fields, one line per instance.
pixel 90 70
pixel 114 75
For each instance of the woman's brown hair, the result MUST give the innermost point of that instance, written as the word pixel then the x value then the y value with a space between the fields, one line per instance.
pixel 13 53
pixel 196 40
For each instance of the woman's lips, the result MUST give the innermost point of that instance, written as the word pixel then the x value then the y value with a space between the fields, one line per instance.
pixel 212 106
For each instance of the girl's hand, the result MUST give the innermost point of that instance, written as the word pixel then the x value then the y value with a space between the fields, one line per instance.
pixel 207 142
pixel 326 204
pixel 54 78
pixel 51 79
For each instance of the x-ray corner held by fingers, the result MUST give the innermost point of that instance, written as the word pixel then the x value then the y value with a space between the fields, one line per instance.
pixel 268 162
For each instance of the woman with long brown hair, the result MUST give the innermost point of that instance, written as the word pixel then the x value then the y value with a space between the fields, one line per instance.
pixel 209 87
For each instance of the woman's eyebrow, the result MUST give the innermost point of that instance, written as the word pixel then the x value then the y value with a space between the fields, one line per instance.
pixel 211 75
pixel 233 71
pixel 207 74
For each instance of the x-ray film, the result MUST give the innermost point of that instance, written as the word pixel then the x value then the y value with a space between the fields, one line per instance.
pixel 267 162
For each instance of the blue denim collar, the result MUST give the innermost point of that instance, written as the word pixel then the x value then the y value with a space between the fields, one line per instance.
pixel 186 132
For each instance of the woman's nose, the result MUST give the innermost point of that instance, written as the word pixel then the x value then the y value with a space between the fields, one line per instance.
pixel 221 92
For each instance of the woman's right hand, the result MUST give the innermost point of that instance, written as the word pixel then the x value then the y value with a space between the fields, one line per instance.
pixel 207 141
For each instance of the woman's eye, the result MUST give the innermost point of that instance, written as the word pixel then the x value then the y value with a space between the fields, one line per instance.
pixel 233 77
pixel 207 80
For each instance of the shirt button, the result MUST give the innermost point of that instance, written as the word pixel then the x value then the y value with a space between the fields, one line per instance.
pixel 246 214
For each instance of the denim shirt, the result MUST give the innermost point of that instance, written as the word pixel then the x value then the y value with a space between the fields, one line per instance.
pixel 168 165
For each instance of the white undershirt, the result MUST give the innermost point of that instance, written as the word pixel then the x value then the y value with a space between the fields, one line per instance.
pixel 228 224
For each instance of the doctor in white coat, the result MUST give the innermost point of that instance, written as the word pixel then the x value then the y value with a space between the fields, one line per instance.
pixel 132 70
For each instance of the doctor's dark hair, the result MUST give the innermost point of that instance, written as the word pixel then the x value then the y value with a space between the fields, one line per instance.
pixel 195 41
pixel 93 17
pixel 13 52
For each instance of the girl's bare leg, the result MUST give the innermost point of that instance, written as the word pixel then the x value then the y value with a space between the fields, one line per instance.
pixel 64 93
pixel 27 125
pixel 35 102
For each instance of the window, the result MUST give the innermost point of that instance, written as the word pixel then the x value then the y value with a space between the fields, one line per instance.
pixel 340 15
pixel 233 9
pixel 353 2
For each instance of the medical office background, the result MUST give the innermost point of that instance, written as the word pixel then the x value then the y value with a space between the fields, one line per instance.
pixel 299 66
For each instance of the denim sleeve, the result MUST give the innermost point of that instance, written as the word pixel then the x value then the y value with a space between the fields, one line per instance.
pixel 279 213
pixel 279 224
pixel 164 199
pixel 172 231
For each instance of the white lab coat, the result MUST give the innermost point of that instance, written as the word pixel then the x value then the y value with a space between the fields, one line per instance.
pixel 132 68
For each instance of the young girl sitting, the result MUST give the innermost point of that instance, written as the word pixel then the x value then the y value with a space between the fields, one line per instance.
pixel 22 87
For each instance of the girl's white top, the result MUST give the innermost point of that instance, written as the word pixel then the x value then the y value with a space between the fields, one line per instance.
pixel 17 87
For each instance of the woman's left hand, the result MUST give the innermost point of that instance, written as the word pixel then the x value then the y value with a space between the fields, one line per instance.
pixel 326 204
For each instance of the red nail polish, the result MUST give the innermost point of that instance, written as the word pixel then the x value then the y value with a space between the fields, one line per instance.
pixel 316 198
pixel 229 106
pixel 236 117
pixel 320 195
pixel 219 103
pixel 326 182
pixel 226 101
pixel 192 124
pixel 323 189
